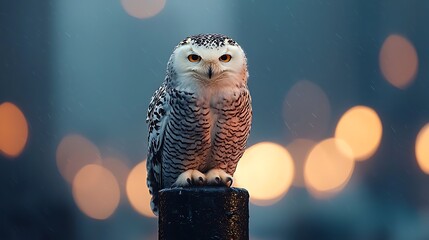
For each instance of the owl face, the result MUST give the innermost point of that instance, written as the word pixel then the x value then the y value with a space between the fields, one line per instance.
pixel 210 58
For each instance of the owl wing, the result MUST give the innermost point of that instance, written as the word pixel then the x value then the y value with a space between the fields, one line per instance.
pixel 157 120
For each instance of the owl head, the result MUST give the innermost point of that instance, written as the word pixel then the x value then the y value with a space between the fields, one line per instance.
pixel 209 59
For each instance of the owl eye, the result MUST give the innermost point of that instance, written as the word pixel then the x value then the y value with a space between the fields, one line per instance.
pixel 194 58
pixel 225 58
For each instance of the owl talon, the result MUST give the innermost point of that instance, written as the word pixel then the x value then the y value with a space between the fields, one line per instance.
pixel 189 178
pixel 219 177
pixel 200 180
pixel 229 181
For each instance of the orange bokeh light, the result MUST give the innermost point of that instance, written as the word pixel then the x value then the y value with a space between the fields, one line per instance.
pixel 422 149
pixel 118 167
pixel 398 61
pixel 96 191
pixel 266 170
pixel 13 130
pixel 143 8
pixel 360 127
pixel 74 152
pixel 137 190
pixel 328 168
pixel 299 150
pixel 306 110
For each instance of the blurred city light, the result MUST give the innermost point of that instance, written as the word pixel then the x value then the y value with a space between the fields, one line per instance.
pixel 13 130
pixel 96 191
pixel 266 170
pixel 143 8
pixel 306 110
pixel 361 128
pixel 74 152
pixel 422 149
pixel 328 168
pixel 299 150
pixel 118 167
pixel 398 61
pixel 137 190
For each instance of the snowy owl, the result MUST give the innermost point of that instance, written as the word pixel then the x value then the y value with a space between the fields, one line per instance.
pixel 199 119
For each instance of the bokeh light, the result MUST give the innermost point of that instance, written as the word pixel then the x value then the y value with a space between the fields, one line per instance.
pixel 96 191
pixel 360 127
pixel 422 149
pixel 13 130
pixel 306 110
pixel 398 61
pixel 328 168
pixel 143 8
pixel 299 150
pixel 74 152
pixel 137 190
pixel 266 170
pixel 118 167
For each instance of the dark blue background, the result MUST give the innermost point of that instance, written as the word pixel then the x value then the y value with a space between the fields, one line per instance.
pixel 88 67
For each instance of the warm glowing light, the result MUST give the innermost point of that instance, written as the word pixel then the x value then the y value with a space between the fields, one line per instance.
pixel 118 167
pixel 74 152
pixel 328 168
pixel 13 130
pixel 137 190
pixel 299 150
pixel 266 170
pixel 96 191
pixel 143 8
pixel 398 61
pixel 361 128
pixel 422 148
pixel 306 110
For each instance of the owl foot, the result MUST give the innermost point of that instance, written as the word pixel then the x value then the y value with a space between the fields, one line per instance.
pixel 189 178
pixel 219 177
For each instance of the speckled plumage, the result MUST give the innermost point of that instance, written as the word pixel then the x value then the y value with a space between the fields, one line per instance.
pixel 198 122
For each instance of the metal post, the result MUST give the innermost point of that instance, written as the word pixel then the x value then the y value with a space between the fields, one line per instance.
pixel 204 213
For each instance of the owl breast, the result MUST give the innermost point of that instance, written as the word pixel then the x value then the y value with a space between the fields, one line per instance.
pixel 230 128
pixel 205 131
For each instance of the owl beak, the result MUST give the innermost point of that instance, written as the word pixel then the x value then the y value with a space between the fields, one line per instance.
pixel 210 73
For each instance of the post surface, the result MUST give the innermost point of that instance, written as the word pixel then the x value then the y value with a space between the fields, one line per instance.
pixel 204 213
